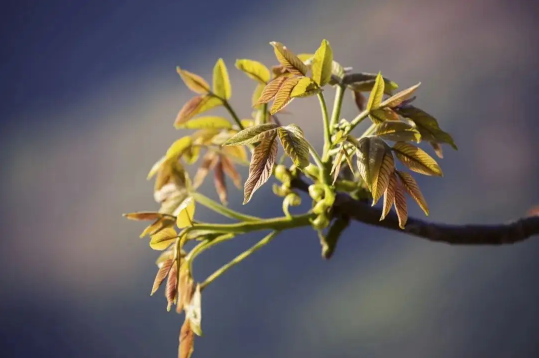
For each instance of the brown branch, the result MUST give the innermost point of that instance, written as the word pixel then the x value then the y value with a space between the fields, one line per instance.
pixel 501 234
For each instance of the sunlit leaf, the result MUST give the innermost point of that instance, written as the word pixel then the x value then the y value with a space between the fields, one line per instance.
pixel 261 167
pixel 377 93
pixel 397 131
pixel 400 204
pixel 271 90
pixel 207 122
pixel 337 73
pixel 283 96
pixel 389 195
pixel 322 64
pixel 221 83
pixel 382 180
pixel 163 239
pixel 254 69
pixel 159 224
pixel 165 255
pixel 304 87
pixel 253 134
pixel 411 187
pixel 236 153
pixel 187 340
pixel 400 97
pixel 194 82
pixel 290 61
pixel 306 57
pixel 162 273
pixel 416 159
pixel 364 82
pixel 190 156
pixel 230 170
pixel 371 154
pixel 295 145
pixel 185 213
pixel 177 148
pixel 194 106
pixel 219 182
pixel 381 115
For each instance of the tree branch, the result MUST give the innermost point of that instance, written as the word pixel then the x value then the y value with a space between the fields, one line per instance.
pixel 502 234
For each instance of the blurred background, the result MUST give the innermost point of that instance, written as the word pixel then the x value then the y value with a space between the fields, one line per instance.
pixel 89 94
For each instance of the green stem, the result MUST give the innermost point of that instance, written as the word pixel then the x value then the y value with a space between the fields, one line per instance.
pixel 232 113
pixel 239 259
pixel 203 246
pixel 360 117
pixel 369 131
pixel 337 106
pixel 324 175
pixel 223 210
pixel 327 132
pixel 279 223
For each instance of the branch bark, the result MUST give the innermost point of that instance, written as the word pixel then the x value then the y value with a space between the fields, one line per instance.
pixel 502 234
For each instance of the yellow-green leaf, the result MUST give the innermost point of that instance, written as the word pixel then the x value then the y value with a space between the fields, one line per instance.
pixel 295 145
pixel 364 82
pixel 397 131
pixel 194 106
pixel 179 147
pixel 270 90
pixel 379 185
pixel 381 115
pixel 254 69
pixel 400 97
pixel 411 187
pixel 306 57
pixel 163 222
pixel 283 96
pixel 401 207
pixel 221 83
pixel 377 93
pixel 371 153
pixel 304 88
pixel 256 95
pixel 290 61
pixel 253 134
pixel 322 64
pixel 185 213
pixel 208 122
pixel 163 239
pixel 237 153
pixel 261 166
pixel 155 168
pixel 416 159
pixel 389 195
pixel 195 83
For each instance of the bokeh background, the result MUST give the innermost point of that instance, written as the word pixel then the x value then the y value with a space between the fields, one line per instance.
pixel 88 96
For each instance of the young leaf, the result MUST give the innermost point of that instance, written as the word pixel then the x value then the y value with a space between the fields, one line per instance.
pixel 295 145
pixel 411 187
pixel 163 239
pixel 220 183
pixel 306 58
pixel 336 168
pixel 375 98
pixel 254 69
pixel 322 64
pixel 171 290
pixel 416 159
pixel 283 98
pixel 207 122
pixel 162 273
pixel 143 215
pixel 185 213
pixel 221 82
pixel 193 311
pixel 400 204
pixel 397 131
pixel 195 83
pixel 381 115
pixel 400 97
pixel 256 96
pixel 177 148
pixel 290 61
pixel 360 100
pixel 253 134
pixel 261 167
pixel 371 152
pixel 389 195
pixel 382 180
pixel 304 88
pixel 271 90
pixel 437 149
pixel 187 340
pixel 209 161
pixel 364 82
pixel 161 223
pixel 231 171
pixel 237 153
pixel 186 288
pixel 194 106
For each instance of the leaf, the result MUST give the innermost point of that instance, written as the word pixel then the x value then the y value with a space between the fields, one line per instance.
pixel 162 273
pixel 210 159
pixel 400 97
pixel 193 311
pixel 156 167
pixel 283 96
pixel 220 183
pixel 221 82
pixel 271 90
pixel 364 82
pixel 254 69
pixel 400 204
pixel 185 213
pixel 187 340
pixel 163 239
pixel 295 145
pixel 177 148
pixel 165 255
pixel 195 83
pixel 437 149
pixel 360 100
pixel 337 73
pixel 161 223
pixel 322 64
pixel 382 180
pixel 371 152
pixel 389 195
pixel 416 159
pixel 381 115
pixel 253 134
pixel 194 106
pixel 261 167
pixel 411 187
pixel 231 171
pixel 305 87
pixel 427 125
pixel 256 96
pixel 171 290
pixel 290 61
pixel 143 215
pixel 377 93
pixel 207 122
pixel 336 168
pixel 237 153
pixel 185 289
pixel 397 131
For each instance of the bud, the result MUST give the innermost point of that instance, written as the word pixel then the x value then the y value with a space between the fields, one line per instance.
pixel 321 222
pixel 283 174
pixel 316 192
